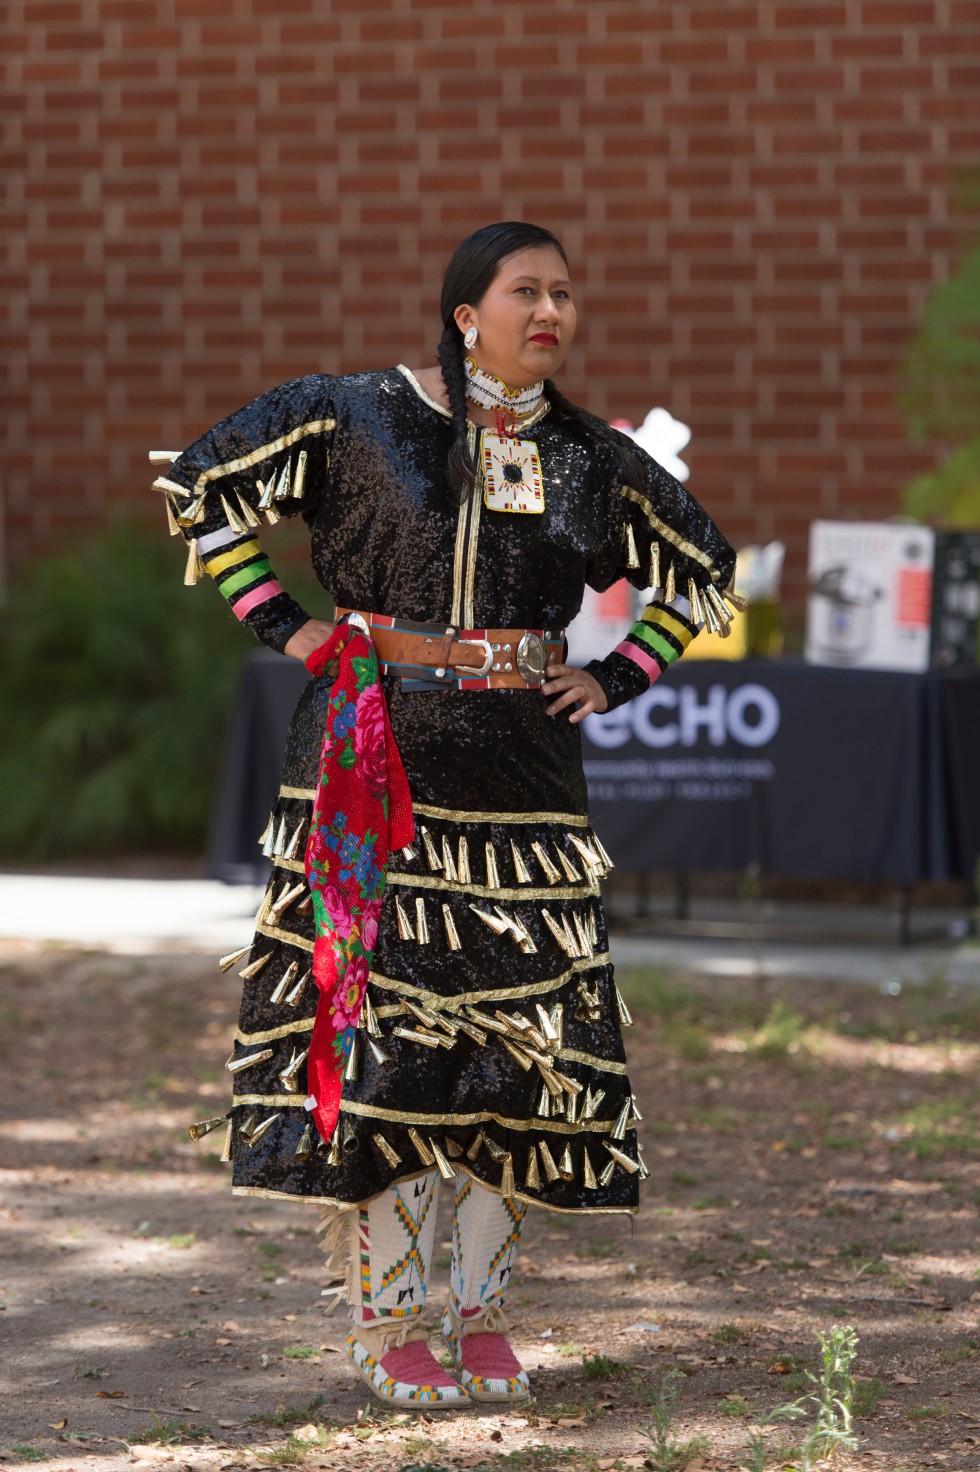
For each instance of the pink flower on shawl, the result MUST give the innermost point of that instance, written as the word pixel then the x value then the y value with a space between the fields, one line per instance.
pixel 340 916
pixel 369 739
pixel 369 925
pixel 345 1004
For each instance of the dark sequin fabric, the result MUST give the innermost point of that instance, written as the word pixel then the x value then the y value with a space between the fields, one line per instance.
pixel 498 788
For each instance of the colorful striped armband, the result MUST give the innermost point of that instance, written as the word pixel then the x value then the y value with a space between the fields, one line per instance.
pixel 657 639
pixel 240 569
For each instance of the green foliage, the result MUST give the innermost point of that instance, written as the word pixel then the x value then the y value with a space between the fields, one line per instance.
pixel 941 390
pixel 115 683
pixel 667 1454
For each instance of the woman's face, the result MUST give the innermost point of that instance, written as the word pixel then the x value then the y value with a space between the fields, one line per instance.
pixel 526 319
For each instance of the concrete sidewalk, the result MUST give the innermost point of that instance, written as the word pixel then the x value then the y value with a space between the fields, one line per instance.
pixel 133 916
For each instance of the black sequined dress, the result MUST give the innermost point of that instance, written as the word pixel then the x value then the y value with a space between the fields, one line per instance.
pixel 533 1096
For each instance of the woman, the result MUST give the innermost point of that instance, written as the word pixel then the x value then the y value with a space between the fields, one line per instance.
pixel 458 510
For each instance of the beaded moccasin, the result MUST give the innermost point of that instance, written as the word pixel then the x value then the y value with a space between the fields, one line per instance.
pixel 487 1367
pixel 400 1368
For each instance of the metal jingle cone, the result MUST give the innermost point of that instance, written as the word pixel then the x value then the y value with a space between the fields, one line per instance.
pixel 571 873
pixel 476 1145
pixel 193 512
pixel 173 526
pixel 557 931
pixel 289 1078
pixel 548 1030
pixel 644 1172
pixel 388 1151
pixel 421 1148
pixel 622 1159
pixel 248 1060
pixel 625 1015
pixel 377 1053
pixel 670 586
pixel 496 1152
pixel 736 600
pixel 557 1015
pixel 694 598
pixel 632 557
pixel 508 1186
pixel 299 479
pixel 272 515
pixel 608 1173
pixel 432 857
pixel 604 856
pixel 452 935
pixel 279 842
pixel 232 517
pixel 333 1154
pixel 496 924
pixel 193 570
pixel 593 930
pixel 544 1103
pixel 304 1149
pixel 293 998
pixel 493 874
pixel 266 490
pixel 289 852
pixel 225 1156
pixel 622 1120
pixel 547 1160
pixel 282 483
pixel 654 573
pixel 227 962
pixel 405 931
pixel 247 514
pixel 571 1109
pixel 370 1018
pixel 284 983
pixel 566 1170
pixel 442 1164
pixel 574 949
pixel 590 859
pixel 410 853
pixel 463 862
pixel 588 1104
pixel 711 619
pixel 248 1125
pixel 718 603
pixel 521 870
pixel 585 944
pixel 205 1126
pixel 521 1057
pixel 351 1066
pixel 637 1116
pixel 472 1031
pixel 550 872
pixel 448 866
pixel 412 1035
pixel 532 1176
pixel 263 1129
pixel 588 1174
pixel 454 1149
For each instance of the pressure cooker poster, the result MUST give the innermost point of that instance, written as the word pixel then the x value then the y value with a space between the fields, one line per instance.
pixel 870 595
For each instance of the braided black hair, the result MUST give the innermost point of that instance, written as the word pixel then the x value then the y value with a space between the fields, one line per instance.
pixel 473 266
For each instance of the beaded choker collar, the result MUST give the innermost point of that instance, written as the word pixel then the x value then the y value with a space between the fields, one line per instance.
pixel 491 392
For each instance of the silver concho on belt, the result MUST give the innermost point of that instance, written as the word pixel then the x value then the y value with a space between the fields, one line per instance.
pixel 531 658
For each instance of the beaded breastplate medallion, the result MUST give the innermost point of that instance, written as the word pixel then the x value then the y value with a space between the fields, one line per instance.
pixel 512 479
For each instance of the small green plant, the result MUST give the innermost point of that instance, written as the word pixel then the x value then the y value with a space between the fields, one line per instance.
pixel 667 1454
pixel 290 1415
pixel 831 1399
pixel 756 1454
pixel 867 1394
pixel 169 1433
pixel 299 1352
pixel 781 1032
pixel 735 1405
pixel 598 1367
pixel 726 1334
pixel 29 1453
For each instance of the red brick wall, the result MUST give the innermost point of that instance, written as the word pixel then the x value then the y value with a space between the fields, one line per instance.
pixel 204 197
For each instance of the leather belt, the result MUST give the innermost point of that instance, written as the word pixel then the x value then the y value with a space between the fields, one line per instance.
pixel 431 655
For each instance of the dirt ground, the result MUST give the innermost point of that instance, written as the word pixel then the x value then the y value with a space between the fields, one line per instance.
pixel 814 1165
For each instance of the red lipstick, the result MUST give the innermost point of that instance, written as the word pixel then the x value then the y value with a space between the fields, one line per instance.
pixel 548 338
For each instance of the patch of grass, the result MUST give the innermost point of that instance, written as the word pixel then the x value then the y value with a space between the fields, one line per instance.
pixel 726 1334
pixel 169 1433
pixel 290 1415
pixel 781 1033
pixel 867 1394
pixel 667 1454
pixel 29 1453
pixel 926 1413
pixel 300 1352
pixel 735 1405
pixel 903 1249
pixel 682 1178
pixel 180 1241
pixel 598 1247
pixel 598 1367
pixel 968 1351
pixel 710 1203
pixel 755 1254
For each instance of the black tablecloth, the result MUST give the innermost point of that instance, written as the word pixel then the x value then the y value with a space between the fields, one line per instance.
pixel 807 772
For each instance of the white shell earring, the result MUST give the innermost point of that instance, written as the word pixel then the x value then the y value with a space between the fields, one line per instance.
pixel 470 336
